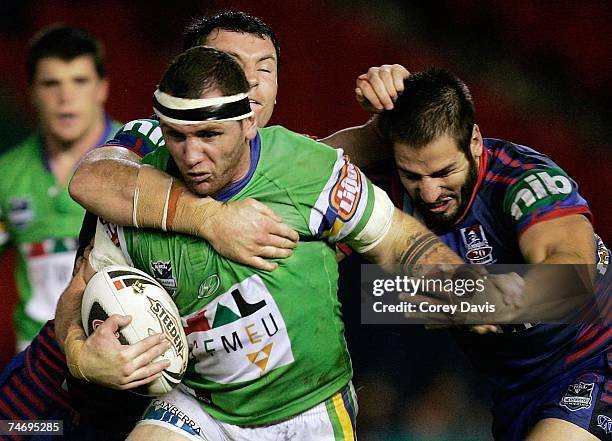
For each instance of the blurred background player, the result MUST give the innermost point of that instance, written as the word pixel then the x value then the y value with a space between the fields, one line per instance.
pixel 68 88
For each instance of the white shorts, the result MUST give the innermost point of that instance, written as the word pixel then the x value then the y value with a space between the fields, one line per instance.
pixel 331 420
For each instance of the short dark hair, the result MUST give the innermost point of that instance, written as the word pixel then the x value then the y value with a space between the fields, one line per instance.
pixel 65 43
pixel 434 103
pixel 198 30
pixel 200 69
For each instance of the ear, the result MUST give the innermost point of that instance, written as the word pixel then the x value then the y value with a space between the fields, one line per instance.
pixel 103 87
pixel 250 127
pixel 476 143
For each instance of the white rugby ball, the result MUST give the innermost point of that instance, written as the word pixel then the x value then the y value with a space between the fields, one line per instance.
pixel 120 289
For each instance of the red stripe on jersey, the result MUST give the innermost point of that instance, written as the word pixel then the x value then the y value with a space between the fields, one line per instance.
pixel 497 178
pixel 33 400
pixel 606 335
pixel 587 337
pixel 514 163
pixel 482 171
pixel 557 213
pixel 7 411
pixel 26 413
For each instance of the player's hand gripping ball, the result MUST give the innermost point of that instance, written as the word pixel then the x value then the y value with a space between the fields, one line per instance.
pixel 124 290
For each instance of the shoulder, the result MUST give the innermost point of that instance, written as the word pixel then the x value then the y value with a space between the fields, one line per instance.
pixel 26 148
pixel 283 141
pixel 19 159
pixel 140 136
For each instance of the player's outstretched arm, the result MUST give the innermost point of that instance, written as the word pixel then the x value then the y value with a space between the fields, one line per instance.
pixel 111 183
pixel 407 242
pixel 376 91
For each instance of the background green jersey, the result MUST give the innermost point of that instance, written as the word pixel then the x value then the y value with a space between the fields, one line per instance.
pixel 38 216
pixel 264 345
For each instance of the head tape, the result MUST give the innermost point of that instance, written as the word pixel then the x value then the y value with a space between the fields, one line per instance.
pixel 193 111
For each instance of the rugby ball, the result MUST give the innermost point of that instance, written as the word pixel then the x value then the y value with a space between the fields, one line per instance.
pixel 120 289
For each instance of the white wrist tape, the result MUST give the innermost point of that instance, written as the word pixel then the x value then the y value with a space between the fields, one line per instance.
pixel 378 225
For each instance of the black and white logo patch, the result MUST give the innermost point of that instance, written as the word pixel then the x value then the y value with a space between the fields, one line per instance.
pixel 162 272
pixel 578 396
pixel 20 212
pixel 605 423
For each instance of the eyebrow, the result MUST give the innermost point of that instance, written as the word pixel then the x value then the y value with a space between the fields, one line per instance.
pixel 435 174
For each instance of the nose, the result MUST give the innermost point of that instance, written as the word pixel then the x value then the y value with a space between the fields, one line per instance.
pixel 66 92
pixel 192 152
pixel 429 190
pixel 251 76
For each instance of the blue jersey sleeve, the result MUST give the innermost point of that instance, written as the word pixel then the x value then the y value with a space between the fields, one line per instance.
pixel 141 136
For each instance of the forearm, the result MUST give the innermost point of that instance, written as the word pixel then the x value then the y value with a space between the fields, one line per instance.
pixel 364 144
pixel 68 311
pixel 412 245
pixel 104 183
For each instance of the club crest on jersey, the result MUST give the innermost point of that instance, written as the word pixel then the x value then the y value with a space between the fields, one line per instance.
pixel 605 423
pixel 344 197
pixel 162 272
pixel 578 396
pixel 477 248
pixel 20 212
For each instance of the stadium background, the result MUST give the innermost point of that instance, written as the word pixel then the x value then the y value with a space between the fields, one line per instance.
pixel 540 73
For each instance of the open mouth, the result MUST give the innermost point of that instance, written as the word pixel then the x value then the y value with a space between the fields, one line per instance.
pixel 439 207
pixel 198 178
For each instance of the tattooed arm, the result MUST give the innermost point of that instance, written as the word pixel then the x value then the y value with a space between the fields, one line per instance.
pixel 410 244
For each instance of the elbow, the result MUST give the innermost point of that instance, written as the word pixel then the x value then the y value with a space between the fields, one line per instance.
pixel 77 186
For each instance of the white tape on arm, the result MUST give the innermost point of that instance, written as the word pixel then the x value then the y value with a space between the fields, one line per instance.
pixel 378 225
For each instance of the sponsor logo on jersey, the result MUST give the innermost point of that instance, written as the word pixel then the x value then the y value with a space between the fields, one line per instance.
pixel 240 335
pixel 578 396
pixel 344 196
pixel 209 286
pixel 605 422
pixel 535 189
pixel 20 212
pixel 603 256
pixel 169 325
pixel 162 272
pixel 477 248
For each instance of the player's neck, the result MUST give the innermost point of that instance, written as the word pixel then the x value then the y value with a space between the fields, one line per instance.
pixel 63 156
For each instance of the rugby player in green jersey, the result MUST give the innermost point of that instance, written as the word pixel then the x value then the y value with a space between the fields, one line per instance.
pixel 263 354
pixel 68 88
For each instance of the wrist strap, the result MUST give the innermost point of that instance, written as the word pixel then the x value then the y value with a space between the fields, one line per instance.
pixel 73 345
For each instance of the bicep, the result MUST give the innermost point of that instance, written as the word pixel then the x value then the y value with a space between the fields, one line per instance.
pixel 567 239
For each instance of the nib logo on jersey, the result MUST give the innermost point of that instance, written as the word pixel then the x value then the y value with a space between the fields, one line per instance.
pixel 240 335
pixel 477 248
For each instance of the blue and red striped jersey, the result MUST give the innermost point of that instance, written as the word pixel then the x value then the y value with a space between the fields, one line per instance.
pixel 516 188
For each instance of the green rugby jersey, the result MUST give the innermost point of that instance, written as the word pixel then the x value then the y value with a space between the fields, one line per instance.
pixel 40 219
pixel 264 346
